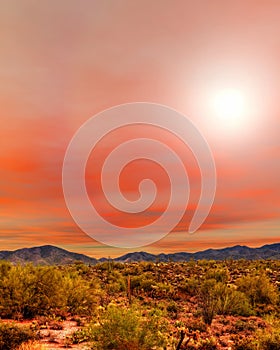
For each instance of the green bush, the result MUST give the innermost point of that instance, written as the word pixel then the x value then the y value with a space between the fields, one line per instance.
pixel 218 298
pixel 126 329
pixel 259 289
pixel 231 302
pixel 190 286
pixel 81 298
pixel 208 301
pixel 12 336
pixel 142 283
pixel 11 287
pixel 43 291
pixel 220 275
pixel 27 291
pixel 208 344
pixel 81 336
pixel 264 339
pixel 116 282
pixel 269 341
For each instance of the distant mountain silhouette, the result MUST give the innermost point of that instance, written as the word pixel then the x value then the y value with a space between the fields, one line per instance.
pixel 45 255
pixel 271 251
pixel 50 255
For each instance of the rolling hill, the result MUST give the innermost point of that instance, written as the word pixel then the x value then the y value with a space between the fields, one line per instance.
pixel 51 255
pixel 45 255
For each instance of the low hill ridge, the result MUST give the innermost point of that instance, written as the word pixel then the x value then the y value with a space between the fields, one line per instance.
pixel 45 255
pixel 52 255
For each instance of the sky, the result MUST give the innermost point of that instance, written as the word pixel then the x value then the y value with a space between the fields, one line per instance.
pixel 217 62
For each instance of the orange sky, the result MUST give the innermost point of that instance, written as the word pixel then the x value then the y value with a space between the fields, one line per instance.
pixel 62 62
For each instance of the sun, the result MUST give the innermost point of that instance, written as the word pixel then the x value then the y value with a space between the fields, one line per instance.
pixel 229 107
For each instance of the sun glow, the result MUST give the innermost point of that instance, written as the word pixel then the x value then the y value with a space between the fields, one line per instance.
pixel 229 107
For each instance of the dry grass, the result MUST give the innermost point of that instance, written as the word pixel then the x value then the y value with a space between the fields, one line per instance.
pixel 31 345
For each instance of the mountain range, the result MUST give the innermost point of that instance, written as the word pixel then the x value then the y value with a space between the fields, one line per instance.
pixel 51 255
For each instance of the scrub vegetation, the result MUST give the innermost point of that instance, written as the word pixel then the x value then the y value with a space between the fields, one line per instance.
pixel 129 306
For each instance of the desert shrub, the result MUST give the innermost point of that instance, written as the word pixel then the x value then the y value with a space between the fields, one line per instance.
pixel 12 336
pixel 241 326
pixel 206 263
pixel 218 298
pixel 262 339
pixel 196 324
pixel 172 309
pixel 259 289
pixel 231 302
pixel 147 266
pixel 5 267
pixel 81 296
pixel 247 343
pixel 207 344
pixel 190 286
pixel 162 289
pixel 269 341
pixel 135 282
pixel 43 291
pixel 202 344
pixel 31 345
pixel 11 286
pixel 27 291
pixel 220 275
pixel 208 301
pixel 81 336
pixel 126 329
pixel 116 282
pixel 143 282
pixel 147 284
pixel 81 268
